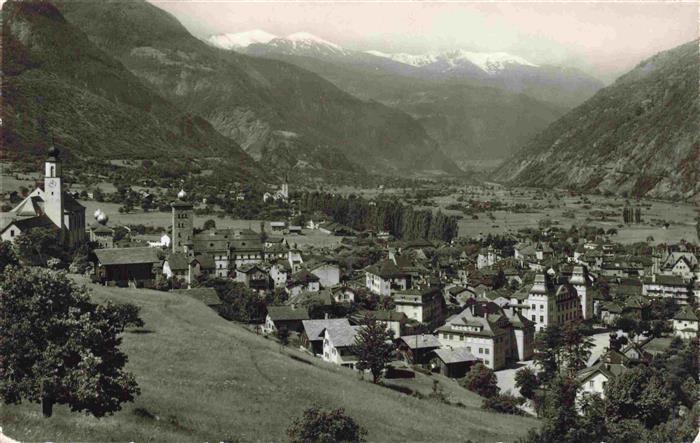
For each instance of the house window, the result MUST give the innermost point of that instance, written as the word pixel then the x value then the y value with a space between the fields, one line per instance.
pixel 12 232
pixel 541 318
pixel 481 350
pixel 591 383
pixel 486 351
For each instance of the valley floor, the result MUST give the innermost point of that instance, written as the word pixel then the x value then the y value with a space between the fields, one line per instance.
pixel 205 379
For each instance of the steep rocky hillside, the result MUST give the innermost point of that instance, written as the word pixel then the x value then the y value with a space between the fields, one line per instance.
pixel 282 115
pixel 639 136
pixel 57 84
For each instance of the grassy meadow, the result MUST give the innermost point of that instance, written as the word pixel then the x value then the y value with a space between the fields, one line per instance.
pixel 203 378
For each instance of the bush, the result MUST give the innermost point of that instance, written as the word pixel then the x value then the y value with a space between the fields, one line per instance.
pixel 526 380
pixel 504 403
pixel 316 425
pixel 481 380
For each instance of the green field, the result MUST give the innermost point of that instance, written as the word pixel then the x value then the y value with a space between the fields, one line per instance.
pixel 566 210
pixel 205 379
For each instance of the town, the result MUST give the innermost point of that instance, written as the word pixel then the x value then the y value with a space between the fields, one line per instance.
pixel 492 308
pixel 244 221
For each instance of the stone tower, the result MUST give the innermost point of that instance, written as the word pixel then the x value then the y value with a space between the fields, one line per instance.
pixel 578 281
pixel 183 223
pixel 53 194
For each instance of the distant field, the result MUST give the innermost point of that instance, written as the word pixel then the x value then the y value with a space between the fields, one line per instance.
pixel 205 379
pixel 566 211
pixel 569 210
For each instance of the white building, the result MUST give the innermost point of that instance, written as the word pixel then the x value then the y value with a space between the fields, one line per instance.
pixel 338 344
pixel 50 207
pixel 685 323
pixel 384 277
pixel 550 304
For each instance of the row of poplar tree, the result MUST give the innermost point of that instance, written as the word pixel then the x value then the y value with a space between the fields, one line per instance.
pixel 631 215
pixel 402 221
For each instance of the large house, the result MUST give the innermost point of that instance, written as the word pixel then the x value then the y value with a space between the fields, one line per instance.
pixel 314 332
pixel 181 266
pixel 327 271
pixel 339 344
pixel 685 323
pixel 552 304
pixel 384 277
pixel 490 333
pixel 425 305
pixel 666 286
pixel 126 266
pixel 48 207
pixel 682 264
pixel 594 379
pixel 287 317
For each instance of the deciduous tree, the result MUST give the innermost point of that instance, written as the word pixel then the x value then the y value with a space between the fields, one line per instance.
pixel 57 347
pixel 374 347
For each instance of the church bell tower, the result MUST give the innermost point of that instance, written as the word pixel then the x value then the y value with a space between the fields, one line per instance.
pixel 53 194
pixel 183 223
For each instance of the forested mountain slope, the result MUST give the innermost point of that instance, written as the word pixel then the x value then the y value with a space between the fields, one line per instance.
pixel 639 136
pixel 58 85
pixel 281 114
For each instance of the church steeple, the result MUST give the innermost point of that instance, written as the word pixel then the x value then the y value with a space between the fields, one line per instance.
pixel 53 195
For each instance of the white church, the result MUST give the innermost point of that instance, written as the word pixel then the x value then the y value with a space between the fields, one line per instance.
pixel 50 207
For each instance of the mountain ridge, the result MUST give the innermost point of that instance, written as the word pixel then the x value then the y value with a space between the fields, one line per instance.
pixel 640 136
pixel 253 101
pixel 58 86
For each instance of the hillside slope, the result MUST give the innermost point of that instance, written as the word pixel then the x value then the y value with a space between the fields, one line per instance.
pixel 56 83
pixel 279 113
pixel 205 379
pixel 639 136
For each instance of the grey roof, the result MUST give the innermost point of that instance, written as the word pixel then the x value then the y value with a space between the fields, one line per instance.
pixel 178 261
pixel 27 223
pixel 382 315
pixel 314 328
pixel 421 341
pixel 686 313
pixel 126 256
pixel 342 335
pixel 385 269
pixel 281 313
pixel 304 277
pixel 457 355
pixel 306 298
pixel 666 280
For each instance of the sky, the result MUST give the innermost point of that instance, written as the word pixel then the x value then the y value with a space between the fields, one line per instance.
pixel 605 39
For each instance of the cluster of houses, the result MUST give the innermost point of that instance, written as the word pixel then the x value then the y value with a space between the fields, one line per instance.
pixel 448 305
pixel 448 314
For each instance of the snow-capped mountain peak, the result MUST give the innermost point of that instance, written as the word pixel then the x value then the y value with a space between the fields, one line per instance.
pixel 256 42
pixel 489 62
pixel 240 40
pixel 307 38
pixel 408 59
